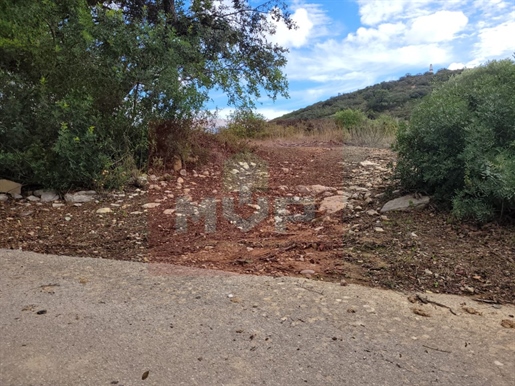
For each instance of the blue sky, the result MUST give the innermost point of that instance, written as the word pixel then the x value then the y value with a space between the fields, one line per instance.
pixel 345 45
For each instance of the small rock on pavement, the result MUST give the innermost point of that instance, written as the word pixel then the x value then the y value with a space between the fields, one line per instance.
pixel 343 282
pixel 307 272
pixel 507 323
pixel 104 210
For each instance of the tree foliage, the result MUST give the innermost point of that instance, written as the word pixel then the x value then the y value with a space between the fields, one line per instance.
pixel 80 80
pixel 460 144
pixel 246 123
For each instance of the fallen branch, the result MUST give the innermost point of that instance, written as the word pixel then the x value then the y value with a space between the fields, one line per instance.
pixel 486 301
pixel 426 301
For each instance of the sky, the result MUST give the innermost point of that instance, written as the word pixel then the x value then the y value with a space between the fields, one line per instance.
pixel 344 45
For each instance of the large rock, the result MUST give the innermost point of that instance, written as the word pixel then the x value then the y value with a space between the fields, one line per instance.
pixel 407 202
pixel 11 187
pixel 333 204
pixel 82 196
pixel 177 164
pixel 46 195
pixel 316 189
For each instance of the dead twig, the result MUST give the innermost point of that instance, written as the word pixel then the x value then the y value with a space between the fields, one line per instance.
pixel 426 301
pixel 486 301
pixel 290 247
pixel 436 349
pixel 311 289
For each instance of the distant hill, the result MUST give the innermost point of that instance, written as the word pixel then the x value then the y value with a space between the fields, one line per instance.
pixel 396 98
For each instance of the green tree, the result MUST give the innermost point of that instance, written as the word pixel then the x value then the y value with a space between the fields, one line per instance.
pixel 80 81
pixel 460 144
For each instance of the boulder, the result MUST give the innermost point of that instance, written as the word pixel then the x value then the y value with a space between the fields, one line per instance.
pixel 141 181
pixel 333 204
pixel 177 164
pixel 407 202
pixel 46 195
pixel 11 187
pixel 367 163
pixel 82 196
pixel 316 189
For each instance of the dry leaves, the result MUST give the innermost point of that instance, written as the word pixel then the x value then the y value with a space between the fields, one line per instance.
pixel 471 311
pixel 421 312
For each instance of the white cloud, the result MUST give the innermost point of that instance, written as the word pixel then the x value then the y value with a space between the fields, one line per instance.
pixel 384 32
pixel 311 21
pixel 271 113
pixel 456 66
pixel 294 37
pixel 438 27
pixel 374 12
pixel 495 42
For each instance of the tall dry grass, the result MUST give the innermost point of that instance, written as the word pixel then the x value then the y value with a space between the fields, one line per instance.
pixel 372 133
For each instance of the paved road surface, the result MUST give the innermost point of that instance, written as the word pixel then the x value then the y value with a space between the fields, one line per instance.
pixel 81 321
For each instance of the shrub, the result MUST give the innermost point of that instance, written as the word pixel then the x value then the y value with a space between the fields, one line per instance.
pixel 349 119
pixel 366 132
pixel 246 123
pixel 460 144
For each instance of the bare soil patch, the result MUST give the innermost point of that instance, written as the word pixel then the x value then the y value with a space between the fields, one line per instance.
pixel 421 250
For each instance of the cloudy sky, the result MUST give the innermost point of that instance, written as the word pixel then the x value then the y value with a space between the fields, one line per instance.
pixel 344 45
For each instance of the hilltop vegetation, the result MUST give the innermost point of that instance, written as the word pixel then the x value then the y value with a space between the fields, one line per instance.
pixel 396 98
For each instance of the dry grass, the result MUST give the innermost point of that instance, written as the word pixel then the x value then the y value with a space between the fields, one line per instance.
pixel 371 134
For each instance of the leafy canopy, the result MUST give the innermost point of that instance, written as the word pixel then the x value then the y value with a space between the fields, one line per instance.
pixel 80 80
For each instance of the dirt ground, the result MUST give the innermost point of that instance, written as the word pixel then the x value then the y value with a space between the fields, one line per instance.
pixel 251 233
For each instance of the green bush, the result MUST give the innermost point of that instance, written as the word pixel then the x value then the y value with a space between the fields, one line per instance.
pixel 460 144
pixel 349 119
pixel 245 123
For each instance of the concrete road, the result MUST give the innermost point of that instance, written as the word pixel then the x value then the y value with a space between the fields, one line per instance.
pixel 81 321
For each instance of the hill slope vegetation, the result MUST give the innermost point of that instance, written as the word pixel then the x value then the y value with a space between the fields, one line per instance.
pixel 396 98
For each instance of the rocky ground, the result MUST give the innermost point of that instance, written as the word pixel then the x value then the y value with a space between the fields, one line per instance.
pixel 290 209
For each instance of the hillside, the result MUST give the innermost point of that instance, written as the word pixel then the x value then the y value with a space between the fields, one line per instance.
pixel 396 98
